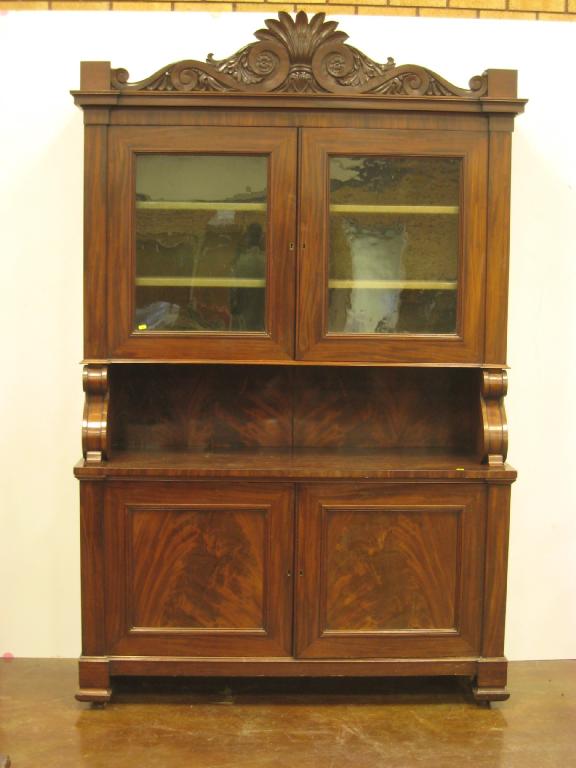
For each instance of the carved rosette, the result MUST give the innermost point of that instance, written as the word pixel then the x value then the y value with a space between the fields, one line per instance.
pixel 95 434
pixel 299 55
pixel 494 425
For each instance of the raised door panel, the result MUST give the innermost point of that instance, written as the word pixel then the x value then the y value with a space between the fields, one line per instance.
pixel 390 571
pixel 392 246
pixel 199 570
pixel 201 243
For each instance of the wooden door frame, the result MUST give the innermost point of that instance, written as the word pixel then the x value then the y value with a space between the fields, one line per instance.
pixel 314 640
pixel 124 143
pixel 273 501
pixel 313 341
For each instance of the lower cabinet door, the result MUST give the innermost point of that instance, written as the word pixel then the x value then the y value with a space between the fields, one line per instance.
pixel 198 569
pixel 390 571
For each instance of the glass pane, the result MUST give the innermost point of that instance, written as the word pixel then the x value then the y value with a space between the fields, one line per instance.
pixel 201 243
pixel 394 241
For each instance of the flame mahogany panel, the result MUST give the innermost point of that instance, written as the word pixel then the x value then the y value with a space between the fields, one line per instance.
pixel 384 408
pixel 219 407
pixel 403 562
pixel 389 571
pixel 198 569
pixel 207 407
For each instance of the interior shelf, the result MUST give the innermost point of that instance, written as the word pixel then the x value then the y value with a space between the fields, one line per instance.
pixel 400 209
pixel 297 463
pixel 248 282
pixel 201 205
pixel 399 285
pixel 203 282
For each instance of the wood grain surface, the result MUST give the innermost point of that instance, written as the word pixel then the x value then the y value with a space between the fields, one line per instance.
pixel 217 407
pixel 96 435
pixel 389 571
pixel 198 568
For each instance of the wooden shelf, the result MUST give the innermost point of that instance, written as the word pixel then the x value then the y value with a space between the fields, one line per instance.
pixel 397 285
pixel 297 463
pixel 202 282
pixel 285 362
pixel 169 205
pixel 434 210
pixel 249 282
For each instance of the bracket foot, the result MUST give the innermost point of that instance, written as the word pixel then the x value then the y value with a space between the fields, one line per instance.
pixel 94 695
pixel 482 695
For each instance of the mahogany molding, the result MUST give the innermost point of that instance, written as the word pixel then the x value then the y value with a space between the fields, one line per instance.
pixel 95 434
pixel 494 424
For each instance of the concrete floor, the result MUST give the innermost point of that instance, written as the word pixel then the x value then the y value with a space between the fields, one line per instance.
pixel 287 723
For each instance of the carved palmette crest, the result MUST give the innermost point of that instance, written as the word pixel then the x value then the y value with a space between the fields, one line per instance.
pixel 299 55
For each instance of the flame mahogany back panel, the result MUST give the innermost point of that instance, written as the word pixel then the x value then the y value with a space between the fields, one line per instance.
pixel 219 407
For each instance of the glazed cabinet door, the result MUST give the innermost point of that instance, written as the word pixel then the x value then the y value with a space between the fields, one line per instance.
pixel 392 250
pixel 201 243
pixel 198 569
pixel 389 571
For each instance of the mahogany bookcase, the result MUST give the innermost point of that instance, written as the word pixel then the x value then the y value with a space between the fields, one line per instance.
pixel 296 275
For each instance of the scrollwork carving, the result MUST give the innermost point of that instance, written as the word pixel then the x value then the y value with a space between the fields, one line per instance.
pixel 95 435
pixel 299 55
pixel 495 426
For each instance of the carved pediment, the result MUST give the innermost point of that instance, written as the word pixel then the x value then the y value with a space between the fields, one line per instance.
pixel 299 55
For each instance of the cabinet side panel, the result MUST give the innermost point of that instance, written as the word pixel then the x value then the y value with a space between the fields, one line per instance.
pixel 95 240
pixel 498 243
pixel 92 564
pixel 496 568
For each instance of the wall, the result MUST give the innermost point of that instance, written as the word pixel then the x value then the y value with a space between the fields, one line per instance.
pixel 546 10
pixel 40 306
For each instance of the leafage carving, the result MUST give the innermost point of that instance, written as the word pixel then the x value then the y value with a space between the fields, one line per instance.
pixel 299 55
